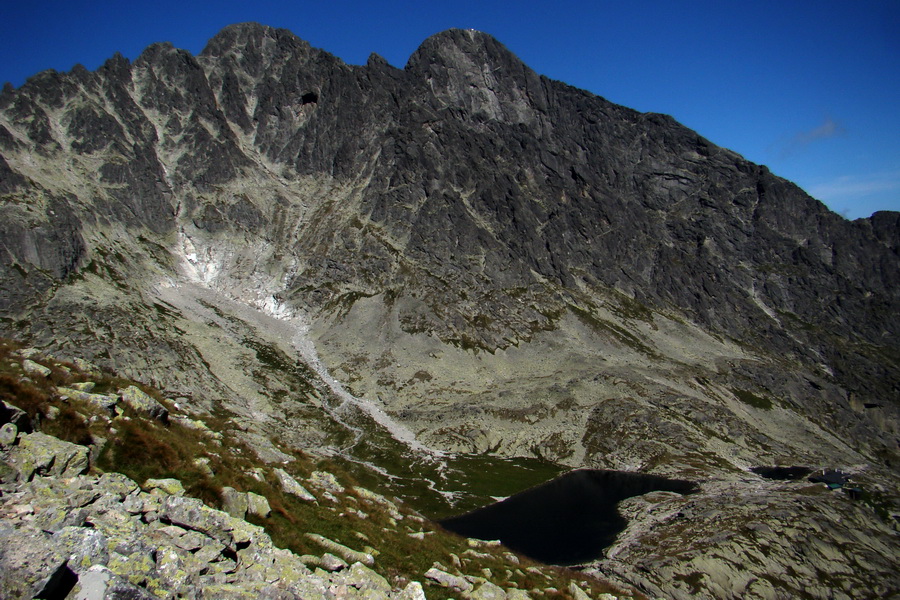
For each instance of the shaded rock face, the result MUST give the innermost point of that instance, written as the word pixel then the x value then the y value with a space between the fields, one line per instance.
pixel 503 262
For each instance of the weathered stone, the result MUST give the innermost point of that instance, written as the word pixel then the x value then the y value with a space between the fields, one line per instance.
pixel 143 403
pixel 326 481
pixel 99 583
pixel 258 505
pixel 515 594
pixel 8 434
pixel 202 465
pixel 577 592
pixel 235 503
pixel 171 569
pixel 85 547
pixel 33 368
pixel 291 486
pixel 327 561
pixel 106 402
pixel 193 541
pixel 209 551
pixel 85 386
pixel 86 366
pixel 392 508
pixel 31 566
pixel 488 591
pixel 41 454
pixel 193 514
pixel 412 591
pixel 344 552
pixel 16 416
pixel 164 487
pixel 447 580
pixel 117 485
pixel 363 578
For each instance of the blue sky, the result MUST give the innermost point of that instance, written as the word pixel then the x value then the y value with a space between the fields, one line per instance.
pixel 810 88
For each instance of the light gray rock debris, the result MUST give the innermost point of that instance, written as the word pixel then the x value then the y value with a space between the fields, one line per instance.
pixel 100 537
pixel 344 552
pixel 325 481
pixel 292 486
pixel 447 580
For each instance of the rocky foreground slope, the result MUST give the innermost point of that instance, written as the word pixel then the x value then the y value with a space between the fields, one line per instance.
pixel 397 267
pixel 70 530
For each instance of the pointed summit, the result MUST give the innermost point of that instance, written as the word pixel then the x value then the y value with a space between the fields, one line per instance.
pixel 253 45
pixel 454 47
pixel 471 70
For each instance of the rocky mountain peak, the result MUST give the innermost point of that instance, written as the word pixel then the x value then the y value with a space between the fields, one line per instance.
pixel 460 46
pixel 470 71
pixel 253 47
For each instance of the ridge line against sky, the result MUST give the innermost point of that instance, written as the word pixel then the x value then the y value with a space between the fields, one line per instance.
pixel 809 88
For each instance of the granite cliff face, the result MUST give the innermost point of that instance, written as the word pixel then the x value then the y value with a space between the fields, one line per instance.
pixel 461 253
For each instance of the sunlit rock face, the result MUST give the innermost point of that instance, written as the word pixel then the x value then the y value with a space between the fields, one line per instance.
pixel 463 253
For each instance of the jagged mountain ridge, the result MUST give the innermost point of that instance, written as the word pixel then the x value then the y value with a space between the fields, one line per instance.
pixel 507 263
pixel 577 188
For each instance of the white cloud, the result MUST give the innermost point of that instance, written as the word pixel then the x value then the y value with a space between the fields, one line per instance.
pixel 800 140
pixel 850 186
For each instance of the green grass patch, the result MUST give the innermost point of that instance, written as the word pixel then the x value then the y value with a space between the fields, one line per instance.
pixel 751 399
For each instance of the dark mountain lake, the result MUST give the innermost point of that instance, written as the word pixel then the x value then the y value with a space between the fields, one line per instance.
pixel 782 473
pixel 566 521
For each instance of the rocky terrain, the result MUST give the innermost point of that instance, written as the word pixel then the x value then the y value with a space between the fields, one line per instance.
pixel 71 530
pixel 399 268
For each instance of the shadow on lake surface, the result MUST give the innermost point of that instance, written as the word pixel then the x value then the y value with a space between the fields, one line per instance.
pixel 566 521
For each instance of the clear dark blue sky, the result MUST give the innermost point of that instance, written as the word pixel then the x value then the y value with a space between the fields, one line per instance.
pixel 810 88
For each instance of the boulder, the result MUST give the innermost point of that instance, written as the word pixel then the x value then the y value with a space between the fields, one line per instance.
pixel 488 591
pixel 412 591
pixel 235 503
pixel 191 513
pixel 326 481
pixel 577 592
pixel 106 402
pixel 83 546
pixel 16 416
pixel 258 505
pixel 447 580
pixel 99 583
pixel 143 403
pixel 363 578
pixel 31 566
pixel 41 454
pixel 8 434
pixel 291 486
pixel 164 487
pixel 344 552
pixel 33 368
pixel 86 386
